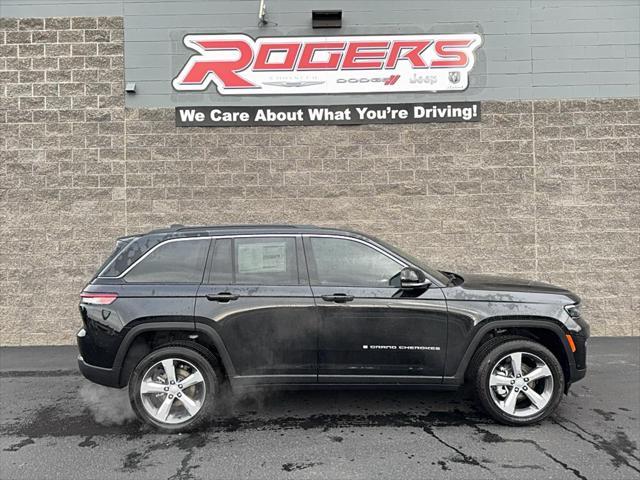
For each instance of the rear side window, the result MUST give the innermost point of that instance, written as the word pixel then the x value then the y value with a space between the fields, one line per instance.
pixel 255 261
pixel 173 262
pixel 222 263
pixel 266 261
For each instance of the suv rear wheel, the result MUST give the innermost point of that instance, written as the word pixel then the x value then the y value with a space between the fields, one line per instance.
pixel 518 382
pixel 174 388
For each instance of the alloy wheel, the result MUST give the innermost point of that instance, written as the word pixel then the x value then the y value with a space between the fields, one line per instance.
pixel 521 384
pixel 173 391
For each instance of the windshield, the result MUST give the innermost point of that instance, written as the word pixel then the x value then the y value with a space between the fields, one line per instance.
pixel 416 261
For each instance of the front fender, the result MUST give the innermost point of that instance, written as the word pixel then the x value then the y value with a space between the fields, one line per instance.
pixel 456 364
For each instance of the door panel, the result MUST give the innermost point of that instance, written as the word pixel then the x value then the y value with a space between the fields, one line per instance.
pixel 270 331
pixel 370 331
pixel 380 332
pixel 267 330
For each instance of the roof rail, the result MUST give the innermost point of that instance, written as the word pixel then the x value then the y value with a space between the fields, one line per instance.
pixel 212 227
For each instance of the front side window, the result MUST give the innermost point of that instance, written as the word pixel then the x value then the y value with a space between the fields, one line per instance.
pixel 265 261
pixel 173 262
pixel 344 262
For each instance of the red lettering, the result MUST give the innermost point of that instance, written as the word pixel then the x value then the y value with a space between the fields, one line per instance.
pixel 226 71
pixel 263 60
pixel 306 59
pixel 354 57
pixel 398 52
pixel 453 58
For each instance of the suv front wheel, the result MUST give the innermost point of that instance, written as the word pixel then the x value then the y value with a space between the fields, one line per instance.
pixel 518 381
pixel 174 388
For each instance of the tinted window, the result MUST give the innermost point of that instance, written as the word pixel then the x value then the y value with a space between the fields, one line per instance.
pixel 349 263
pixel 266 261
pixel 222 263
pixel 173 262
pixel 127 255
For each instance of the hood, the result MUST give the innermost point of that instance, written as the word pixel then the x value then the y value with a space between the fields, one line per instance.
pixel 507 284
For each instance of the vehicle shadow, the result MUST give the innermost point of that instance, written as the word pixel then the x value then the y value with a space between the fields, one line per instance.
pixel 343 408
pixel 106 413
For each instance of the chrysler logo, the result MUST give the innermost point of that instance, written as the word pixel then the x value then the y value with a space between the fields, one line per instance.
pixel 292 84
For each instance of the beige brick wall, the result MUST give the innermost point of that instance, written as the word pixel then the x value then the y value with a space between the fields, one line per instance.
pixel 545 190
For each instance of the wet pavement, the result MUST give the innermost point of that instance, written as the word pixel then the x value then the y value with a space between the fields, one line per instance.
pixel 55 424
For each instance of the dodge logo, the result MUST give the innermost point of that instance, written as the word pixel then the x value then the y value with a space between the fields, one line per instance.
pixel 239 65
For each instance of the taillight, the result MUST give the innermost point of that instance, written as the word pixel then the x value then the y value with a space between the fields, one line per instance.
pixel 98 298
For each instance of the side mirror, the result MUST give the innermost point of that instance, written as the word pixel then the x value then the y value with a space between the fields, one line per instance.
pixel 411 278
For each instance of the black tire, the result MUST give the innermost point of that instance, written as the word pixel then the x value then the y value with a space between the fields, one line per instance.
pixel 201 359
pixel 490 354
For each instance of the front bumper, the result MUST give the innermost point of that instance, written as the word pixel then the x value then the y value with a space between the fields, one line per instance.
pixel 578 367
pixel 104 376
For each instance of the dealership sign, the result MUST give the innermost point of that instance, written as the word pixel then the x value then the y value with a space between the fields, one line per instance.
pixel 240 65
pixel 220 116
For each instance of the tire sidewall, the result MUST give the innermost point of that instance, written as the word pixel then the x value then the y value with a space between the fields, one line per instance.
pixel 499 352
pixel 191 356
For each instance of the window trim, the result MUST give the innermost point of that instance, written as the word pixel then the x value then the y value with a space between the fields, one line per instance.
pixel 171 240
pixel 203 237
pixel 306 252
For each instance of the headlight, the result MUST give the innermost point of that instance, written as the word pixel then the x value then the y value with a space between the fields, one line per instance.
pixel 573 311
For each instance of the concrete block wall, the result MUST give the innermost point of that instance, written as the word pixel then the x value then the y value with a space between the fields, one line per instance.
pixel 62 169
pixel 545 190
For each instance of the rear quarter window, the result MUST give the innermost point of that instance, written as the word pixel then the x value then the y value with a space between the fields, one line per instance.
pixel 180 261
pixel 123 258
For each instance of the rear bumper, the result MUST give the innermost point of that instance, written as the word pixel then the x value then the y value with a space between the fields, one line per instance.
pixel 104 376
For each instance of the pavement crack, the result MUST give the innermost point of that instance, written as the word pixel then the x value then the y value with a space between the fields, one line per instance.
pixel 564 465
pixel 88 442
pixel 491 437
pixel 188 443
pixel 612 448
pixel 17 446
pixel 291 466
pixel 468 459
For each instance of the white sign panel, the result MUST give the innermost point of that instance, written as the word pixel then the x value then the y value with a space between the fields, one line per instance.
pixel 239 65
pixel 262 257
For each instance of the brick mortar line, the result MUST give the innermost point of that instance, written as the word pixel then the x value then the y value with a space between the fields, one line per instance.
pixel 535 196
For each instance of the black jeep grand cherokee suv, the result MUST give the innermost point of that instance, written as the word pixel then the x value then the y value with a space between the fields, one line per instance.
pixel 174 313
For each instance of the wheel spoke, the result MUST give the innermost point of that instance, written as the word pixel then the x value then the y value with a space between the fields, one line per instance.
pixel 540 372
pixel 151 387
pixel 165 408
pixel 169 369
pixel 192 379
pixel 498 380
pixel 516 363
pixel 509 405
pixel 537 400
pixel 191 406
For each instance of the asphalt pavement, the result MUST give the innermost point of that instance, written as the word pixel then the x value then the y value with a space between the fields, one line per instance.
pixel 55 424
